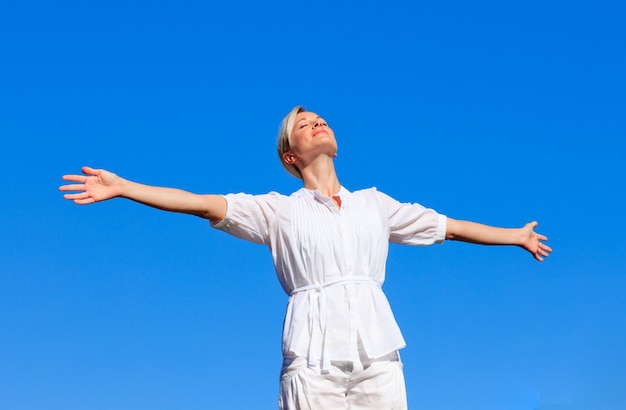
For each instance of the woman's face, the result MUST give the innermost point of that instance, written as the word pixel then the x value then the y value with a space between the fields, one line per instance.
pixel 311 136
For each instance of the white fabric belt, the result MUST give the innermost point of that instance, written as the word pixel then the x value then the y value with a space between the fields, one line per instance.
pixel 323 313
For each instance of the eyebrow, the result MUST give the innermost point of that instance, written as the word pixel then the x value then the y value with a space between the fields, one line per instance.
pixel 318 117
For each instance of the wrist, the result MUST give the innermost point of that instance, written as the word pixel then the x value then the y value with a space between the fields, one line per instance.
pixel 523 236
pixel 124 187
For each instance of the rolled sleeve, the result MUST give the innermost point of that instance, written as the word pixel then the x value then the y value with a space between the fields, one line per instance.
pixel 442 226
pixel 249 217
pixel 412 223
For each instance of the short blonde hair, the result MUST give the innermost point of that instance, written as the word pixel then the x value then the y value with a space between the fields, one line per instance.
pixel 284 139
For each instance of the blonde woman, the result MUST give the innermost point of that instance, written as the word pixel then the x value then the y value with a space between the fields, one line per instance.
pixel 329 246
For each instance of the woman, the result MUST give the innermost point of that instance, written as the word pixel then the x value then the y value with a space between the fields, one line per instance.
pixel 329 247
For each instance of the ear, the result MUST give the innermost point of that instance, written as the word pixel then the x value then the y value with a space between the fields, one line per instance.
pixel 289 157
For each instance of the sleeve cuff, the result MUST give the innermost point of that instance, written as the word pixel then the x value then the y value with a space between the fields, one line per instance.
pixel 226 220
pixel 442 223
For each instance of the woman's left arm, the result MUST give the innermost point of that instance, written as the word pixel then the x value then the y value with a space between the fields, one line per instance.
pixel 524 237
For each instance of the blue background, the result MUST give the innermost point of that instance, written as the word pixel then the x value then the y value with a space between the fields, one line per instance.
pixel 496 112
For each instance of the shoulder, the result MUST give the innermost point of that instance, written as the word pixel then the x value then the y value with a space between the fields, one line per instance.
pixel 270 200
pixel 372 194
pixel 370 197
pixel 365 192
pixel 260 197
pixel 302 192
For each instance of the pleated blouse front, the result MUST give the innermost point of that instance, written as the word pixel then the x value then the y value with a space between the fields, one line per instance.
pixel 331 261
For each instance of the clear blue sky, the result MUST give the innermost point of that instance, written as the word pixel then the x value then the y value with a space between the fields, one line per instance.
pixel 498 112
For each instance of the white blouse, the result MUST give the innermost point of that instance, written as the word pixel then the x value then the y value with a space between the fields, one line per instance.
pixel 331 261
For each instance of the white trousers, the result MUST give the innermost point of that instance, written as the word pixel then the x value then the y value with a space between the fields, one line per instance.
pixel 367 384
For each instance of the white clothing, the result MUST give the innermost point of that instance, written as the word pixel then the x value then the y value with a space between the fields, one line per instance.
pixel 331 261
pixel 363 385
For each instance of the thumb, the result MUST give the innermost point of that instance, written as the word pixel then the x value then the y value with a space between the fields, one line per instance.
pixel 89 171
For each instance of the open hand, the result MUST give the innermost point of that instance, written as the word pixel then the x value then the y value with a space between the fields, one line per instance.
pixel 532 242
pixel 94 186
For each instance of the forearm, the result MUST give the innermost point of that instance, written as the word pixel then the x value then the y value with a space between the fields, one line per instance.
pixel 211 207
pixel 473 232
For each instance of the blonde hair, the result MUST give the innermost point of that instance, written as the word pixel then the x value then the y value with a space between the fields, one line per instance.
pixel 284 139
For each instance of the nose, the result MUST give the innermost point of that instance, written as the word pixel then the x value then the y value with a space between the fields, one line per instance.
pixel 318 123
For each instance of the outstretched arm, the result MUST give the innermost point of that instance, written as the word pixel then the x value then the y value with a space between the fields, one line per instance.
pixel 524 237
pixel 99 185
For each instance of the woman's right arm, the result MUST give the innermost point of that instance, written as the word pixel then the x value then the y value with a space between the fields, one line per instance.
pixel 99 185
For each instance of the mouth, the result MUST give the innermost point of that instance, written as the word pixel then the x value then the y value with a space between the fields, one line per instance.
pixel 319 132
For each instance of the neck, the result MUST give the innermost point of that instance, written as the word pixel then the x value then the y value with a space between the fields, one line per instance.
pixel 321 176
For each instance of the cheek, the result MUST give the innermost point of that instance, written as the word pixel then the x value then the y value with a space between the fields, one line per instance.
pixel 296 138
pixel 332 134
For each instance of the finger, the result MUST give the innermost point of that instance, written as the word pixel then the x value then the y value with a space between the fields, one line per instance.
pixel 75 178
pixel 89 171
pixel 537 255
pixel 80 195
pixel 85 201
pixel 72 187
pixel 544 251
